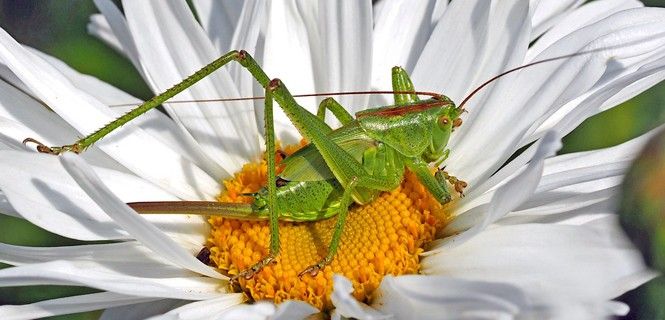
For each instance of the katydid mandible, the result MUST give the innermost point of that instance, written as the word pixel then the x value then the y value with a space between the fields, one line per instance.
pixel 367 155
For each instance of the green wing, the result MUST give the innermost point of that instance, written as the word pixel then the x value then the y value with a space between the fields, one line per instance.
pixel 307 164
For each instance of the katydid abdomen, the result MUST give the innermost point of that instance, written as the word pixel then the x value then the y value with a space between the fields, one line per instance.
pixel 296 201
pixel 302 200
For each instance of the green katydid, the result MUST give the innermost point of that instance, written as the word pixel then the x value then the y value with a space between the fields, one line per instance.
pixel 367 155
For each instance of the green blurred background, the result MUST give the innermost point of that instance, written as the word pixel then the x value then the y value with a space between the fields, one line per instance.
pixel 59 29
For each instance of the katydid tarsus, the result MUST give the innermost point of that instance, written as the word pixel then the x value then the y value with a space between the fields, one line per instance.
pixel 367 155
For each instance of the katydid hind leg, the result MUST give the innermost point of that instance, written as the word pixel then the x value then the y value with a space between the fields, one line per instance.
pixel 272 190
pixel 85 142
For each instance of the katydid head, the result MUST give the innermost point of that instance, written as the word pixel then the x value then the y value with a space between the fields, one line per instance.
pixel 447 120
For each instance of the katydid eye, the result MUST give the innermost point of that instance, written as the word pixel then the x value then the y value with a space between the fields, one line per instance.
pixel 444 121
pixel 457 122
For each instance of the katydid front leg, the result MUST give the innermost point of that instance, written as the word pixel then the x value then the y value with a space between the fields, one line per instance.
pixel 459 185
pixel 272 190
pixel 435 185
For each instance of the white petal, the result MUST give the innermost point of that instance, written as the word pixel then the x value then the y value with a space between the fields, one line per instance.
pixel 127 258
pixel 346 35
pixel 401 31
pixel 245 37
pixel 97 275
pixel 200 310
pixel 498 40
pixel 506 41
pixel 288 56
pixel 17 105
pixel 293 310
pixel 219 19
pixel 42 192
pixel 13 134
pixel 530 97
pixel 319 47
pixel 100 29
pixel 264 310
pixel 125 144
pixel 439 9
pixel 224 308
pixel 473 40
pixel 346 304
pixel 172 51
pixel 626 151
pixel 290 53
pixel 26 117
pixel 564 208
pixel 75 304
pixel 261 310
pixel 440 297
pixel 113 29
pixel 118 259
pixel 129 252
pixel 506 198
pixel 134 224
pixel 606 96
pixel 142 311
pixel 6 207
pixel 549 12
pixel 154 122
pixel 567 23
pixel 462 27
pixel 579 185
pixel 40 189
pixel 545 260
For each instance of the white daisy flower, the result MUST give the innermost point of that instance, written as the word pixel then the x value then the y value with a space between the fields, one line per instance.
pixel 535 235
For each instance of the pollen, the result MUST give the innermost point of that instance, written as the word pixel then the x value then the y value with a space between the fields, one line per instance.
pixel 384 237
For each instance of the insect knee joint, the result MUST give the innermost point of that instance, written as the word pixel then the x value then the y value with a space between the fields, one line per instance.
pixel 274 84
pixel 241 55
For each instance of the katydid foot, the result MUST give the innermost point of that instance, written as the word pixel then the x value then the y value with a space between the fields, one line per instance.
pixel 314 269
pixel 256 268
pixel 42 148
pixel 457 183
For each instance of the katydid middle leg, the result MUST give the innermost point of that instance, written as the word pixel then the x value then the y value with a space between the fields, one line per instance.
pixel 337 232
pixel 337 110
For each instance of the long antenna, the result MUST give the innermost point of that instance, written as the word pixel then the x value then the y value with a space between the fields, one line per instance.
pixel 341 93
pixel 476 90
pixel 422 93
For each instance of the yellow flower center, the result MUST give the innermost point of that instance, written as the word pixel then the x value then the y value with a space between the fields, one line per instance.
pixel 380 238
